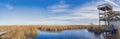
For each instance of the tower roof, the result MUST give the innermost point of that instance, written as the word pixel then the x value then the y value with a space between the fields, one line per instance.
pixel 104 7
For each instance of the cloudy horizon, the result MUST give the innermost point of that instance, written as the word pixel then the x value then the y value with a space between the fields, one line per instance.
pixel 51 12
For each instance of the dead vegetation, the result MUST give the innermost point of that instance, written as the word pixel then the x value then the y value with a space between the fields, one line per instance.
pixel 57 28
pixel 30 31
pixel 18 32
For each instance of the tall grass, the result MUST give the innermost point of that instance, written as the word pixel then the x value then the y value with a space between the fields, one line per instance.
pixel 18 32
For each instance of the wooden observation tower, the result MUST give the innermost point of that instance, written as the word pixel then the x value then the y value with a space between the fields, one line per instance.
pixel 104 10
pixel 108 16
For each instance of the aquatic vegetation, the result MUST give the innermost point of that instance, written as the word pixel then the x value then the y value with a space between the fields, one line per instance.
pixel 18 32
pixel 31 31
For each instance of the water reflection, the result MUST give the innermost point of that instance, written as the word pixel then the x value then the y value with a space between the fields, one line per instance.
pixel 68 34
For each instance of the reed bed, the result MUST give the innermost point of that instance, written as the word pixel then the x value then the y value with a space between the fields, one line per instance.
pixel 30 31
pixel 68 27
pixel 18 32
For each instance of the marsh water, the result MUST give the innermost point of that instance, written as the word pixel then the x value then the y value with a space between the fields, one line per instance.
pixel 68 34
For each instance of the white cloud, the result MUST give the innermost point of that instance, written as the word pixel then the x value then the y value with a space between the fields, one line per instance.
pixel 87 11
pixel 58 8
pixel 78 14
pixel 41 22
pixel 9 7
pixel 110 1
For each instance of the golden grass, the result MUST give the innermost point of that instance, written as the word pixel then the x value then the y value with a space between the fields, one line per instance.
pixel 18 32
pixel 54 28
pixel 26 31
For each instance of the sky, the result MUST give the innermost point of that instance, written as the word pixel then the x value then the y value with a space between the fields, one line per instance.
pixel 51 12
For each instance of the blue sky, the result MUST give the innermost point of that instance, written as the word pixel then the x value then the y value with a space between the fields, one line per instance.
pixel 51 12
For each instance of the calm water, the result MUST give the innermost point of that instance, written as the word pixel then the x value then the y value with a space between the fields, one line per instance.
pixel 68 34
